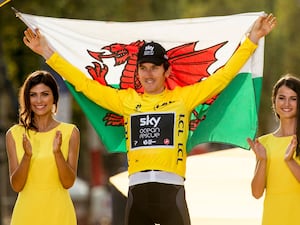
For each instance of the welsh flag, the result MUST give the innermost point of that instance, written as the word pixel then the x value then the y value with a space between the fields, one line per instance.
pixel 197 47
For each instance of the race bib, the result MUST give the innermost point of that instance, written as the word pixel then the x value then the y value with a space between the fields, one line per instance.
pixel 152 130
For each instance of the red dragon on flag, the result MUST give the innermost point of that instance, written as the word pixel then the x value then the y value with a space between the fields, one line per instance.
pixel 188 66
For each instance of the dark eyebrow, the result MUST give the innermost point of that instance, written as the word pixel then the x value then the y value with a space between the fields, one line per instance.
pixel 282 95
pixel 47 91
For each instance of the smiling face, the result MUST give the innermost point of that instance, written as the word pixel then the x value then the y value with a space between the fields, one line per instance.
pixel 38 93
pixel 286 103
pixel 152 77
pixel 41 99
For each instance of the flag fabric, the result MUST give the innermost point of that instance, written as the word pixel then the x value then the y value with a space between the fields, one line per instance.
pixel 197 47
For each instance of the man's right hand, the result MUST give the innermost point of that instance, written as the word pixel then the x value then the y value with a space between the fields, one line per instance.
pixel 37 43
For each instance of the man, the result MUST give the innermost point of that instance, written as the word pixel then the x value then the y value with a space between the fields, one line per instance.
pixel 156 122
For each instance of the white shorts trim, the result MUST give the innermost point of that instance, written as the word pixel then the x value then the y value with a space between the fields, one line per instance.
pixel 155 176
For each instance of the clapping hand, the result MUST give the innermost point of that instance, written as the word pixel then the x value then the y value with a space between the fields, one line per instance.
pixel 258 149
pixel 291 149
pixel 27 146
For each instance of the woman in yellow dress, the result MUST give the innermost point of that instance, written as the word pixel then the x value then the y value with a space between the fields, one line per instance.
pixel 277 172
pixel 42 155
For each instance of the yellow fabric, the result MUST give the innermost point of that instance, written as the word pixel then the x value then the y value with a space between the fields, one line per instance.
pixel 282 196
pixel 170 154
pixel 43 201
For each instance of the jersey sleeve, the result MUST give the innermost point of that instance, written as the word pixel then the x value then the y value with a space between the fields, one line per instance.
pixel 105 96
pixel 215 83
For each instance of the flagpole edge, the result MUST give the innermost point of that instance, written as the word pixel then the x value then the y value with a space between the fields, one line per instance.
pixel 16 12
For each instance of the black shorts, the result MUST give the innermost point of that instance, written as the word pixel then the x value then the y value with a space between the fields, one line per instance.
pixel 156 203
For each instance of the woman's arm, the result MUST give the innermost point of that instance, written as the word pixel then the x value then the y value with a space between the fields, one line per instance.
pixel 289 158
pixel 18 172
pixel 258 183
pixel 67 169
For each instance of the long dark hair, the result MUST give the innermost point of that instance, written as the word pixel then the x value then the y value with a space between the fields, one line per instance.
pixel 291 81
pixel 35 78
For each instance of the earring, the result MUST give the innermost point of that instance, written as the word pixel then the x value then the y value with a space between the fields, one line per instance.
pixel 53 109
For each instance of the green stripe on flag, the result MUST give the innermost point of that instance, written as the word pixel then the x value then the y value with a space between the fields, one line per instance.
pixel 257 84
pixel 111 136
pixel 233 116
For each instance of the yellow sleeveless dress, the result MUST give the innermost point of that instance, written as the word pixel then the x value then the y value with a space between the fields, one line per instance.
pixel 282 196
pixel 43 201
